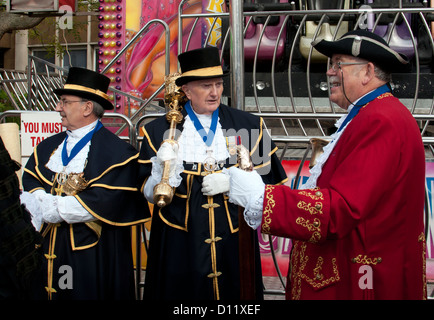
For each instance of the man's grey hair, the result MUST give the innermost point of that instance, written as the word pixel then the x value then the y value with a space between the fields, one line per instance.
pixel 381 74
pixel 378 71
pixel 98 110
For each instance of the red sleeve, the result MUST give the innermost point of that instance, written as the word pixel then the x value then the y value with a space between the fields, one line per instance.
pixel 298 214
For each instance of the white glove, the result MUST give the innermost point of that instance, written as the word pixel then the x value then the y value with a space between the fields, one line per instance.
pixel 245 186
pixel 247 190
pixel 215 183
pixel 167 152
pixel 48 204
pixel 45 207
pixel 32 205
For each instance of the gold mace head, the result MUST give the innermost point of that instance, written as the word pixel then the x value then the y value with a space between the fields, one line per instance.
pixel 317 150
pixel 243 158
pixel 74 184
pixel 174 97
pixel 163 194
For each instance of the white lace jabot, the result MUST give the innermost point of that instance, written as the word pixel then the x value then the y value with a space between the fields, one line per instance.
pixel 191 146
pixel 76 165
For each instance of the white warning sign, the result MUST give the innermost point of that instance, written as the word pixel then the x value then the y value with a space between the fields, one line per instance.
pixel 37 126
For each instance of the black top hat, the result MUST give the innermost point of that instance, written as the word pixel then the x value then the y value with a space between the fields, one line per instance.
pixel 366 45
pixel 87 84
pixel 199 64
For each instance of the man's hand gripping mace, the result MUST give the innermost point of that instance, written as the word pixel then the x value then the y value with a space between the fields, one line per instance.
pixel 174 98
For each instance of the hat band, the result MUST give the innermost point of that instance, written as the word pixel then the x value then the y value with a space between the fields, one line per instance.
pixel 357 45
pixel 203 72
pixel 86 89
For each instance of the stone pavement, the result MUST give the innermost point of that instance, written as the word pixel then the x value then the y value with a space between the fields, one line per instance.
pixel 274 284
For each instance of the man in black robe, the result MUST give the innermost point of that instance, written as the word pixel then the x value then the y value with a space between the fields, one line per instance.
pixel 19 241
pixel 85 184
pixel 193 251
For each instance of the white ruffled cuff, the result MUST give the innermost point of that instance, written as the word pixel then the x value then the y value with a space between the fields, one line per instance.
pixel 253 211
pixel 49 206
pixel 176 169
pixel 156 174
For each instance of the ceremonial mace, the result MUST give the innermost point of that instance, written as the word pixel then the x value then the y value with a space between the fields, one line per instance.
pixel 174 98
pixel 246 238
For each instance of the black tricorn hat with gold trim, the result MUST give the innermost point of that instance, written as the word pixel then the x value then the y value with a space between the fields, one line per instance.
pixel 87 84
pixel 200 64
pixel 366 45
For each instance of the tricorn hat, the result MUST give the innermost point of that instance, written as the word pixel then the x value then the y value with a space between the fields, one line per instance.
pixel 366 45
pixel 87 84
pixel 200 64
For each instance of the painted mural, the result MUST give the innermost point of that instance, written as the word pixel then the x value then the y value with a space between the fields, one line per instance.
pixel 145 61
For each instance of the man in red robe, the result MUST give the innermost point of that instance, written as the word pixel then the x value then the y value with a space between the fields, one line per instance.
pixel 357 223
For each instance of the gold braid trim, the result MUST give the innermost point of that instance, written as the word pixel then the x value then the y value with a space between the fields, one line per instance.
pixel 318 195
pixel 317 209
pixel 297 270
pixel 313 227
pixel 364 259
pixel 421 238
pixel 268 209
pixel 319 276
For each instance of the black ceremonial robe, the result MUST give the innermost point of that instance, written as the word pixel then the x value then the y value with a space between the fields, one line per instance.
pixel 19 256
pixel 193 250
pixel 97 255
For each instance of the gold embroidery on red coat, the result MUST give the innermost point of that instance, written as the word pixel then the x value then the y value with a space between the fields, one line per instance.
pixel 314 194
pixel 315 238
pixel 268 208
pixel 421 238
pixel 308 207
pixel 313 227
pixel 364 259
pixel 314 282
pixel 298 272
pixel 384 95
pixel 298 263
pixel 317 270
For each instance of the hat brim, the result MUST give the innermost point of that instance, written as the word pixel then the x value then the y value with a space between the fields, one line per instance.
pixel 371 50
pixel 185 79
pixel 106 104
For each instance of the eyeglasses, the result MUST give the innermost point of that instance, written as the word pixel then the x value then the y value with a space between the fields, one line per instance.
pixel 337 65
pixel 61 102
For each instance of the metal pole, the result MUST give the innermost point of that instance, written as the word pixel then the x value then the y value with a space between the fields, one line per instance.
pixel 246 236
pixel 237 55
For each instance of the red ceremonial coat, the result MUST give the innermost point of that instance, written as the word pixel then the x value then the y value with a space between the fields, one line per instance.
pixel 359 234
